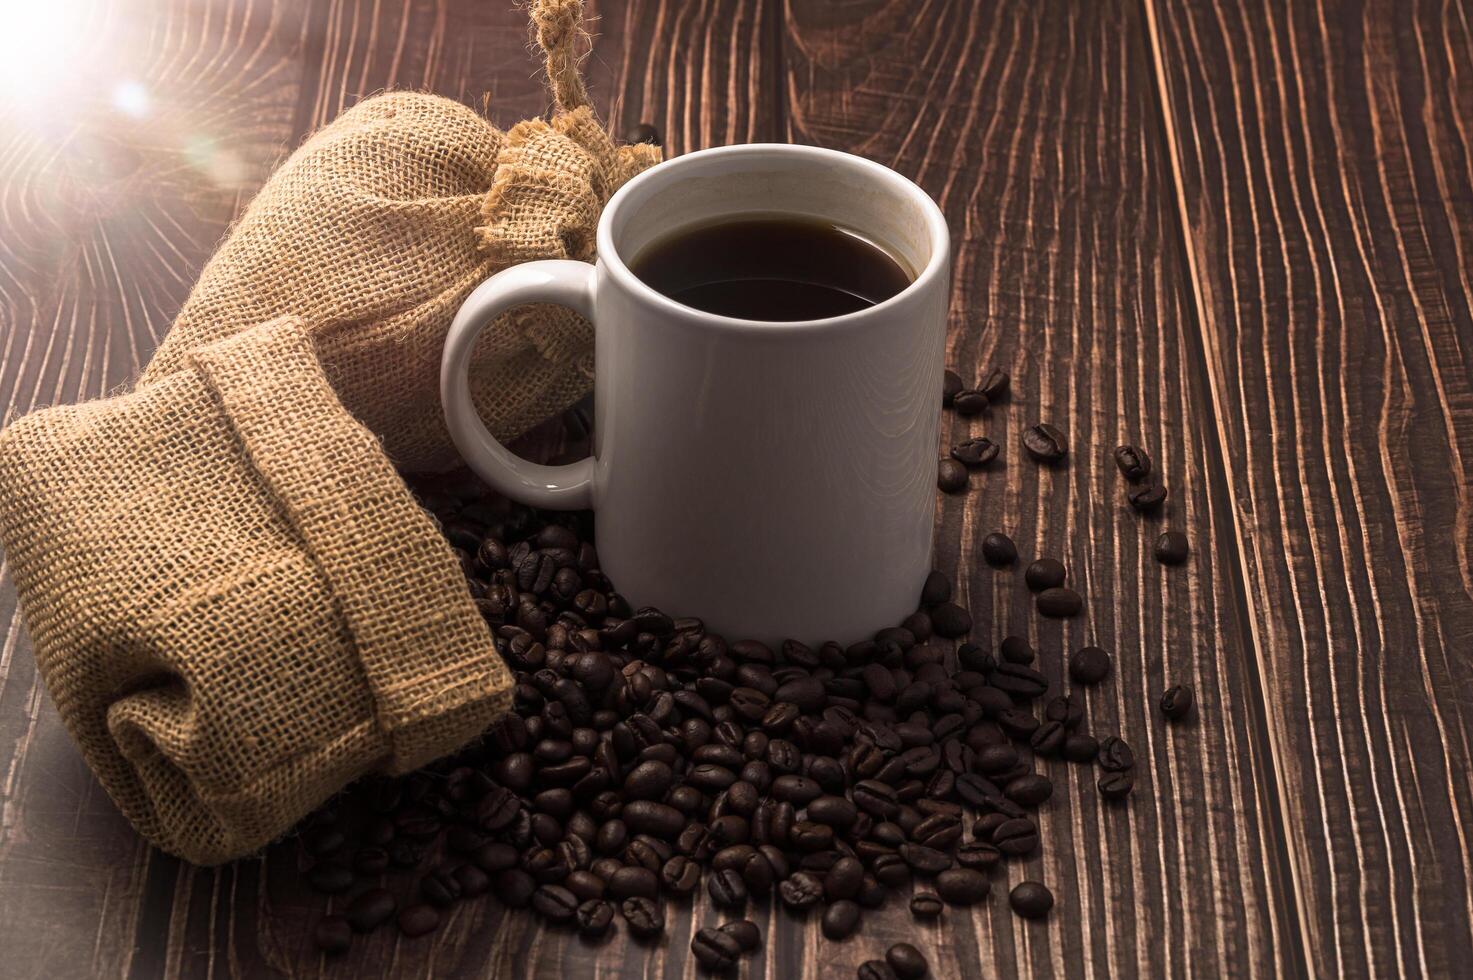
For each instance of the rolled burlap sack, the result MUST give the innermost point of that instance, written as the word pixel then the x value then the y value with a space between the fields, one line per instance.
pixel 235 602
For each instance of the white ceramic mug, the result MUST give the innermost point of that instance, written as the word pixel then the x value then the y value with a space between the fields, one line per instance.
pixel 775 479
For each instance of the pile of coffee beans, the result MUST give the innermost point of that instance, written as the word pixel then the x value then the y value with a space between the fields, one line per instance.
pixel 646 758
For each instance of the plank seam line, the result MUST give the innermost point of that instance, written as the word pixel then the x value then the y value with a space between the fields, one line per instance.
pixel 1167 120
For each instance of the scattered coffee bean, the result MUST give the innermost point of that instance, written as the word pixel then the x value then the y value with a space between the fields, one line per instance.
pixel 332 935
pixel 840 919
pixel 715 949
pixel 643 916
pixel 1080 747
pixel 1116 755
pixel 1089 665
pixel 1176 703
pixel 924 905
pixel 1016 650
pixel 1045 443
pixel 371 909
pixel 975 452
pixel 951 476
pixel 1172 548
pixel 1016 837
pixel 643 133
pixel 680 875
pixel 1148 497
pixel 936 590
pixel 745 932
pixel 1133 462
pixel 1059 603
pixel 417 920
pixel 1115 785
pixel 1031 899
pixel 969 401
pixel 950 620
pixel 951 385
pixel 1045 573
pixel 593 918
pixel 727 889
pixel 513 887
pixel 875 970
pixel 330 877
pixel 995 384
pixel 554 903
pixel 801 891
pixel 906 961
pixel 962 886
pixel 843 880
pixel 998 550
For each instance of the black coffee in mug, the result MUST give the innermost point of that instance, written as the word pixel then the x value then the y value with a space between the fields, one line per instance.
pixel 771 268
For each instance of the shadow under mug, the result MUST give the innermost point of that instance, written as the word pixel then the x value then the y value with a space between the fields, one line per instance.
pixel 775 479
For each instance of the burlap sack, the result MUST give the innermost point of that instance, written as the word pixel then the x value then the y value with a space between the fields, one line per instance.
pixel 235 603
pixel 376 229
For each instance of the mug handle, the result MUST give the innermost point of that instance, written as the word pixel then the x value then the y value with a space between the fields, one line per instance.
pixel 561 281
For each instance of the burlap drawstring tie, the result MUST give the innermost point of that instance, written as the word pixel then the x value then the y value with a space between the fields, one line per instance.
pixel 235 603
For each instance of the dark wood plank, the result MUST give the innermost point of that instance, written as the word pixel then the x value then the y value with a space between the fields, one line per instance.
pixel 1034 126
pixel 1324 162
pixel 133 136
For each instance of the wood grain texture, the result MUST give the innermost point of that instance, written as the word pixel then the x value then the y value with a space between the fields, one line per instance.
pixel 1324 154
pixel 1033 125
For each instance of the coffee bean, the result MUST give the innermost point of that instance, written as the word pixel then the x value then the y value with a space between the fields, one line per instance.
pixel 962 886
pixel 1116 755
pixel 727 889
pixel 1031 899
pixel 924 905
pixel 975 452
pixel 1089 665
pixel 644 917
pixel 1045 443
pixel 926 860
pixel 840 919
pixel 1133 462
pixel 1080 747
pixel 332 935
pixel 513 887
pixel 835 811
pixel 1016 837
pixel 969 401
pixel 1059 603
pixel 951 385
pixel 715 950
pixel 843 879
pixel 875 970
pixel 951 476
pixel 906 961
pixel 745 932
pixel 1048 738
pixel 439 888
pixel 1029 790
pixel 1116 784
pixel 418 920
pixel 1176 703
pixel 1045 573
pixel 1172 548
pixel 554 903
pixel 330 877
pixel 656 819
pixel 1067 711
pixel 586 885
pixel 593 918
pixel 998 550
pixel 995 384
pixel 628 882
pixel 1147 498
pixel 648 781
pixel 950 620
pixel 370 909
pixel 936 590
pixel 1016 649
pixel 680 875
pixel 800 891
pixel 1018 723
pixel 977 855
pixel 643 133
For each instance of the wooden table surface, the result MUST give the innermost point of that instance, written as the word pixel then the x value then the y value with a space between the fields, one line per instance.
pixel 1238 233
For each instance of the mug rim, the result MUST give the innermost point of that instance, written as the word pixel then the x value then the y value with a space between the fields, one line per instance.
pixel 936 227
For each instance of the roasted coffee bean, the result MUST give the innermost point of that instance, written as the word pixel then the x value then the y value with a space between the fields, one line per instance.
pixel 969 401
pixel 1059 603
pixel 875 970
pixel 1176 703
pixel 1018 723
pixel 715 950
pixel 800 891
pixel 330 877
pixel 1067 711
pixel 643 133
pixel 418 920
pixel 370 909
pixel 371 861
pixel 648 781
pixel 1080 747
pixel 1048 738
pixel 995 384
pixel 513 887
pixel 950 620
pixel 936 590
pixel 439 888
pixel 998 550
pixel 655 819
pixel 924 905
pixel 1089 665
pixel 1147 498
pixel 1031 899
pixel 1172 548
pixel 586 884
pixel 891 870
pixel 554 903
pixel 332 935
pixel 745 932
pixel 727 889
pixel 975 452
pixel 1016 837
pixel 962 886
pixel 680 875
pixel 977 855
pixel 1045 573
pixel 951 476
pixel 1045 443
pixel 1116 755
pixel 996 758
pixel 494 857
pixel 840 919
pixel 644 917
pixel 951 384
pixel 835 811
pixel 593 918
pixel 843 880
pixel 1016 650
pixel 1133 463
pixel 1029 790
pixel 906 961
pixel 629 882
pixel 925 860
pixel 1116 784
pixel 797 790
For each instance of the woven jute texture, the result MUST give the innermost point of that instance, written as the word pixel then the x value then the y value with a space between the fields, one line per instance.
pixel 235 602
pixel 376 229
